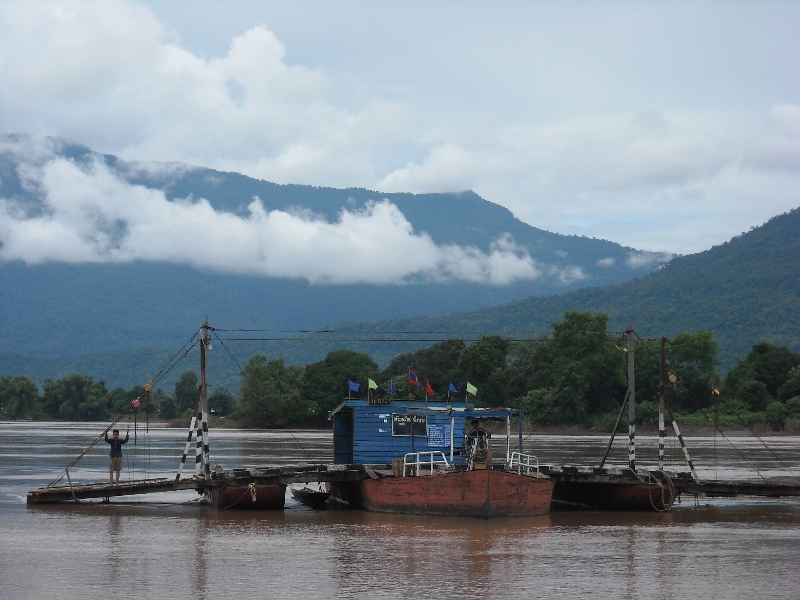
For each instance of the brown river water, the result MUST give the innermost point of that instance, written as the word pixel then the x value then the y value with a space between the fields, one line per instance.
pixel 169 546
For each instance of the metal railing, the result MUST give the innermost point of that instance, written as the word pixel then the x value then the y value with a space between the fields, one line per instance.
pixel 526 463
pixel 415 461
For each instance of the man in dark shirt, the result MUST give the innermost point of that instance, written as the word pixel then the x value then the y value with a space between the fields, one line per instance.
pixel 116 454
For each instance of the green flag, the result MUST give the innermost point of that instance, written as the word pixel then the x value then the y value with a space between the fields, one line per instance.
pixel 371 384
pixel 471 389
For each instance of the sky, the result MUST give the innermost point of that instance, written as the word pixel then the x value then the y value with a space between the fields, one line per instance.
pixel 664 126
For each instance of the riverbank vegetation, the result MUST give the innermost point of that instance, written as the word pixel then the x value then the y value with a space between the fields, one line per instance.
pixel 574 376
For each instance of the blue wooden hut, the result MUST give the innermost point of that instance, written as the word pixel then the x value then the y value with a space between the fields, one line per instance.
pixel 377 431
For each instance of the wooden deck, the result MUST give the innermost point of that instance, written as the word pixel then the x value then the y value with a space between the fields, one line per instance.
pixel 305 473
pixel 683 482
pixel 219 479
pixel 66 493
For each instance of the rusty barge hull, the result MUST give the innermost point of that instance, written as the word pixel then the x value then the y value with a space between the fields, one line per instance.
pixel 248 497
pixel 614 496
pixel 613 489
pixel 484 493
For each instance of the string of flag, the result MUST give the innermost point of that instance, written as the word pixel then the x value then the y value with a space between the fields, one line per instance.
pixel 413 380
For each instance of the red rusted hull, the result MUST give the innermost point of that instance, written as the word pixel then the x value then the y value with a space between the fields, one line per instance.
pixel 268 497
pixel 486 493
pixel 614 496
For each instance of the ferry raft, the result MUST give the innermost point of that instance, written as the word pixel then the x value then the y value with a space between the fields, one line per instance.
pixel 438 467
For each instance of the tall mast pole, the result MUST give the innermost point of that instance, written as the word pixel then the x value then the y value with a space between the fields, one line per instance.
pixel 203 466
pixel 631 402
pixel 661 394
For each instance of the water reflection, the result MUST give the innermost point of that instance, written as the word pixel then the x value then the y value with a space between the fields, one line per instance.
pixel 139 547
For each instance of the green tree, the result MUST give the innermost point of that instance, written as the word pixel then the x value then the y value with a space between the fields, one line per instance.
pixel 770 364
pixel 755 395
pixel 221 402
pixel 482 363
pixel 791 387
pixel 19 397
pixel 588 370
pixel 325 382
pixel 76 398
pixel 692 358
pixel 165 406
pixel 186 389
pixel 121 399
pixel 775 415
pixel 530 368
pixel 437 364
pixel 272 394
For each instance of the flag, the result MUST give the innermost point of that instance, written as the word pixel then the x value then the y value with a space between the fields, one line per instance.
pixel 390 389
pixel 428 389
pixel 371 384
pixel 412 378
pixel 471 389
pixel 353 385
pixel 452 388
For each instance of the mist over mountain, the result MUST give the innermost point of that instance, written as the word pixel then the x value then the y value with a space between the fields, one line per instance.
pixel 98 254
pixel 745 291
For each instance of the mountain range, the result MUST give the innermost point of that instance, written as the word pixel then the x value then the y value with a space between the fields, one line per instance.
pixel 121 320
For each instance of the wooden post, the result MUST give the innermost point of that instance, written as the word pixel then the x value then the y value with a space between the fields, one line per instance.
pixel 203 466
pixel 614 432
pixel 631 402
pixel 452 438
pixel 508 440
pixel 661 394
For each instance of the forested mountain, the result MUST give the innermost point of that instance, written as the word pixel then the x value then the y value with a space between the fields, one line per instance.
pixel 744 291
pixel 71 307
pixel 122 322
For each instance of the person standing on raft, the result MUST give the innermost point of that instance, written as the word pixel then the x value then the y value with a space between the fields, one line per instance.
pixel 115 454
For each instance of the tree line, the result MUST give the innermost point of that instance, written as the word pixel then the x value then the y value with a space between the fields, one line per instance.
pixel 576 375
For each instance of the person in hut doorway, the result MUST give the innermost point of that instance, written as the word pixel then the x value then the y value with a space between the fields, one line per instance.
pixel 115 454
pixel 479 439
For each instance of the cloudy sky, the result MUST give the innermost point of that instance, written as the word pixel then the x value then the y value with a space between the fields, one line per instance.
pixel 664 126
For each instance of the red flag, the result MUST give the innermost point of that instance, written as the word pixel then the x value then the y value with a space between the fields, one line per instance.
pixel 428 389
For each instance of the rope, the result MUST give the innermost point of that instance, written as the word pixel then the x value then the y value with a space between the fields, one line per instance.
pixel 226 349
pixel 758 437
pixel 669 487
pixel 90 446
pixel 251 489
pixel 716 425
pixel 163 373
pixel 158 375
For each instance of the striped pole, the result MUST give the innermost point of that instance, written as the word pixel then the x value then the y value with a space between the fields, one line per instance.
pixel 631 403
pixel 186 449
pixel 661 394
pixel 206 457
pixel 198 452
pixel 685 451
pixel 203 466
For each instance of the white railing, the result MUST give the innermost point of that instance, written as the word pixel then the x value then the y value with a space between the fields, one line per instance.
pixel 526 463
pixel 416 460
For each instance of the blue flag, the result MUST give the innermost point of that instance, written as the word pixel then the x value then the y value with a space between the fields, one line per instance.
pixel 452 388
pixel 353 385
pixel 390 389
pixel 412 378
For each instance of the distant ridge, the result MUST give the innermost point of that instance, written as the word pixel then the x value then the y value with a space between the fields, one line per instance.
pixel 745 290
pixel 65 310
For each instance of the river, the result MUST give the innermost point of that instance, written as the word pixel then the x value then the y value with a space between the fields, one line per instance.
pixel 168 545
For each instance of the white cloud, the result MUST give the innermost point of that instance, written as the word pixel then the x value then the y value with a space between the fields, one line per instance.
pixel 90 215
pixel 571 274
pixel 636 260
pixel 651 135
pixel 606 262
